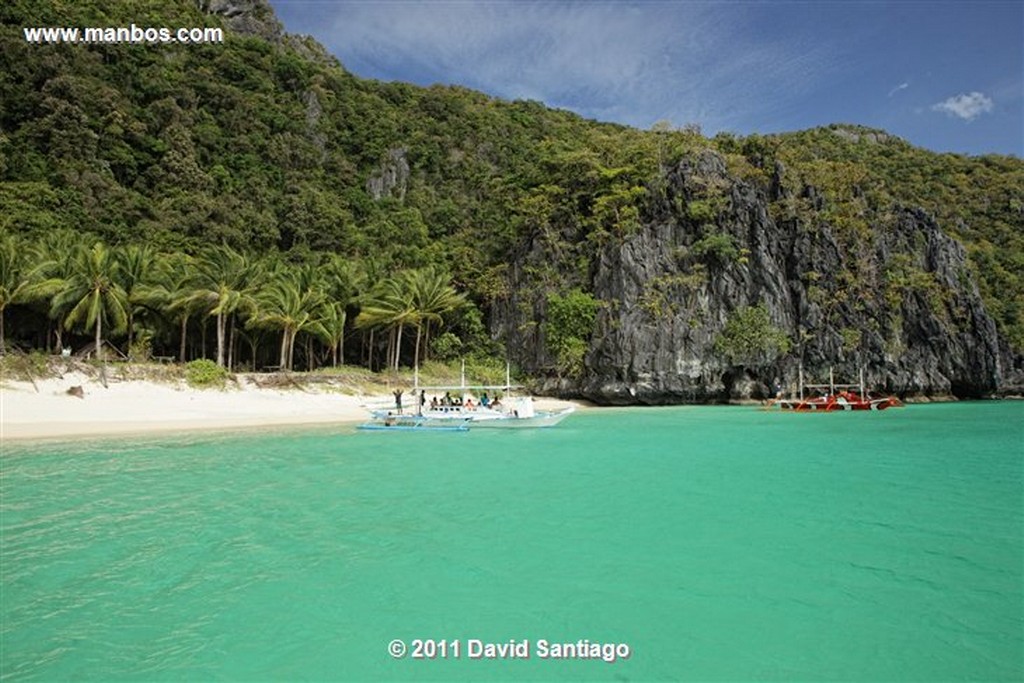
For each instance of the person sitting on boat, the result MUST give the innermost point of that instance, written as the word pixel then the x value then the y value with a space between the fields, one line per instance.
pixel 433 402
pixel 484 401
pixel 496 403
pixel 447 400
pixel 469 404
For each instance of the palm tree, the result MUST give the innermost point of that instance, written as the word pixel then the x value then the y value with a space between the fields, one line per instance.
pixel 54 259
pixel 389 305
pixel 432 298
pixel 223 284
pixel 287 305
pixel 136 272
pixel 170 292
pixel 15 277
pixel 93 293
pixel 342 278
pixel 329 326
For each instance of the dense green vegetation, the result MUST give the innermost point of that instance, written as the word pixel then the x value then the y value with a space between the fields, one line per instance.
pixel 254 203
pixel 68 282
pixel 750 339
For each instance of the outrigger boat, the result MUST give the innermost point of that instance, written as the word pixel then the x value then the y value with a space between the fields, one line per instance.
pixel 834 398
pixel 511 412
pixel 413 423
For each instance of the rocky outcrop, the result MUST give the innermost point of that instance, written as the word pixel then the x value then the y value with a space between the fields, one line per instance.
pixel 892 295
pixel 246 17
pixel 391 179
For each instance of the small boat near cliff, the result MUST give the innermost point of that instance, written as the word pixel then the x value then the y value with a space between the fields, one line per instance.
pixel 834 397
pixel 844 400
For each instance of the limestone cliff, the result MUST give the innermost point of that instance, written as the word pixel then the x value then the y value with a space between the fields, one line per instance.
pixel 896 299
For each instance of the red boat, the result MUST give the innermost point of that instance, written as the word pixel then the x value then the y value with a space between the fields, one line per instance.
pixel 844 400
pixel 834 397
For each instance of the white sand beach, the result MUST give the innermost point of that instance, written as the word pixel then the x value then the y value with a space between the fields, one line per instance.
pixel 46 410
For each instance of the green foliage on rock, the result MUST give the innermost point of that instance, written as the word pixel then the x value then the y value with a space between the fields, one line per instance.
pixel 749 338
pixel 569 325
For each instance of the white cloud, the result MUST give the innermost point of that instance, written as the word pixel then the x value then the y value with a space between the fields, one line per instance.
pixel 634 63
pixel 901 86
pixel 966 107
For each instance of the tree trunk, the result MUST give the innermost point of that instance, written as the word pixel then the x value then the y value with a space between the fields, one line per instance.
pixel 416 353
pixel 131 327
pixel 181 347
pixel 291 350
pixel 398 345
pixel 369 352
pixel 283 360
pixel 221 325
pixel 231 343
pixel 99 335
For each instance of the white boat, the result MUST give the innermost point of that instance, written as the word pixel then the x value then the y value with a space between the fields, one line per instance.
pixel 413 423
pixel 471 407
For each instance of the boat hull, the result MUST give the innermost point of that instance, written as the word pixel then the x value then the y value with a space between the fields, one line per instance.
pixel 482 419
pixel 537 421
pixel 836 404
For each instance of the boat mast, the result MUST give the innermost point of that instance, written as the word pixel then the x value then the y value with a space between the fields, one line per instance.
pixel 862 394
pixel 463 375
pixel 801 380
pixel 831 382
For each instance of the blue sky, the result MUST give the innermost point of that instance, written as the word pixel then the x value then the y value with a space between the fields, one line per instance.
pixel 947 76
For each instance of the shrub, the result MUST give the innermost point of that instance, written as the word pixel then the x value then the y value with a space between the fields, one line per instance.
pixel 446 347
pixel 717 248
pixel 749 338
pixel 569 325
pixel 205 373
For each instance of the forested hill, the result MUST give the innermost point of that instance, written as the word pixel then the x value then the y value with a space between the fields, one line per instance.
pixel 624 265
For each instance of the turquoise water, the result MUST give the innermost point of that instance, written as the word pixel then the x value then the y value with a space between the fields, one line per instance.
pixel 716 543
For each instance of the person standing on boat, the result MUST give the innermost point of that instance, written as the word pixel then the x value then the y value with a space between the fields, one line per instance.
pixel 423 400
pixel 398 400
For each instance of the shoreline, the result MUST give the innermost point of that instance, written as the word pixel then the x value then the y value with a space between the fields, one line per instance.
pixel 46 411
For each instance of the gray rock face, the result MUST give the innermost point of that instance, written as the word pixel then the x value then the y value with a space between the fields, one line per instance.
pixel 246 17
pixel 895 298
pixel 392 177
